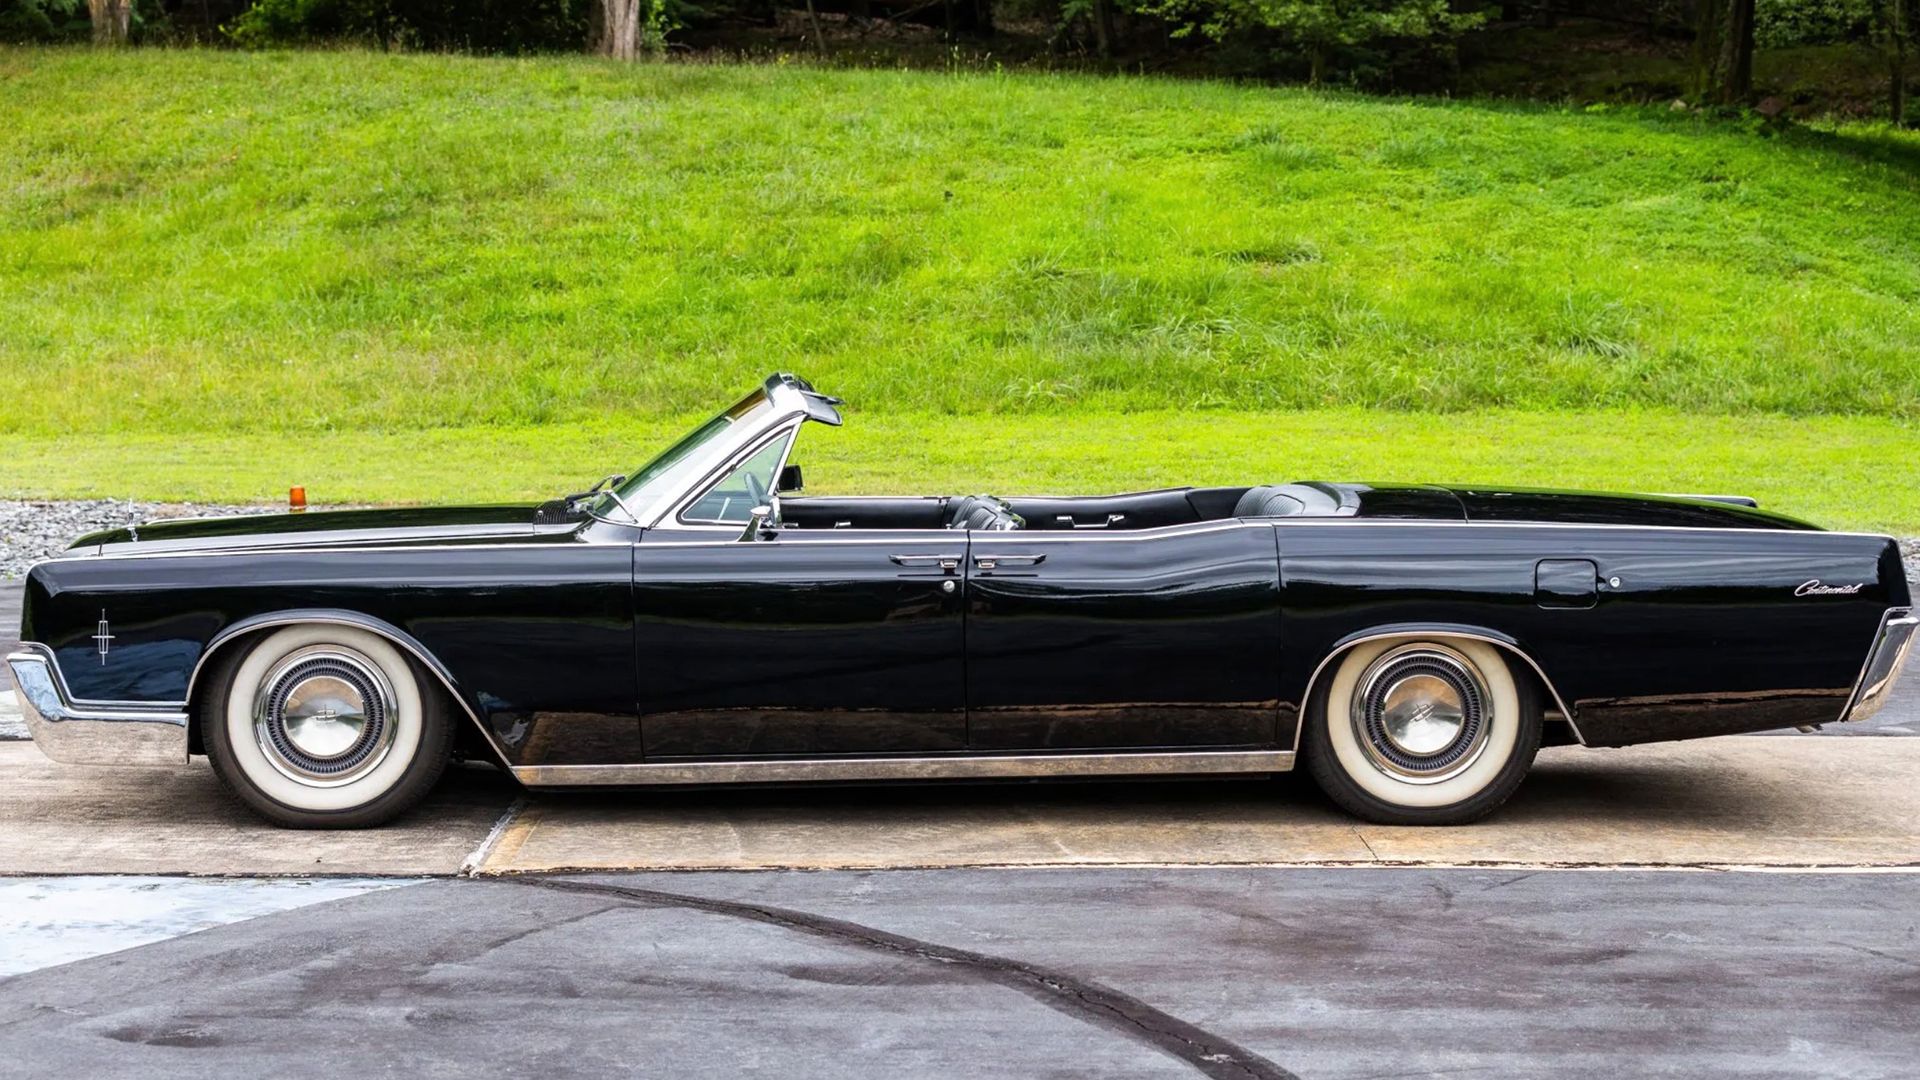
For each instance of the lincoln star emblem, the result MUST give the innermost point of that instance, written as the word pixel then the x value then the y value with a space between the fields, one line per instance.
pixel 1815 588
pixel 103 637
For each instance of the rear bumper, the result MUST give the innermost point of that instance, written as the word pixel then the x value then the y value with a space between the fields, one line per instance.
pixel 93 732
pixel 1889 654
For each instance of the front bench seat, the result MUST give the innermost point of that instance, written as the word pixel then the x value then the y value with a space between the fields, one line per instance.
pixel 982 513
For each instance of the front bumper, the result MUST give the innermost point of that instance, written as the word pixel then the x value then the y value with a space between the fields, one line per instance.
pixel 93 732
pixel 1889 654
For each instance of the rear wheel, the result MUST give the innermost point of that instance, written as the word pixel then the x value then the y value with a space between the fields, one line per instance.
pixel 324 726
pixel 1415 731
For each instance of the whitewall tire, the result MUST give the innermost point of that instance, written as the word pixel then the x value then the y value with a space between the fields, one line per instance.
pixel 1421 731
pixel 319 725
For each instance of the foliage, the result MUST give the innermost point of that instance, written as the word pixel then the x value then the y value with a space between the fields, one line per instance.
pixel 38 20
pixel 309 243
pixel 1785 23
pixel 1326 32
pixel 498 26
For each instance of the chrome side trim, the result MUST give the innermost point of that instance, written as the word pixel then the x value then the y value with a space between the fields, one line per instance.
pixel 915 768
pixel 1036 535
pixel 77 735
pixel 820 536
pixel 1441 633
pixel 1891 644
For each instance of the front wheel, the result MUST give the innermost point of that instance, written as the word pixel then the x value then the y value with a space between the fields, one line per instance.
pixel 1412 731
pixel 321 726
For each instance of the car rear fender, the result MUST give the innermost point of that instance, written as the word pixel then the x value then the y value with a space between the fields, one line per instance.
pixel 1437 631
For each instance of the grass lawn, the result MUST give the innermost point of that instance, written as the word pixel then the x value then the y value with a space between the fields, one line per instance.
pixel 199 241
pixel 408 278
pixel 1840 472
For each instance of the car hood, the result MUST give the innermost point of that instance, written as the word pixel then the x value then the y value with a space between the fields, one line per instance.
pixel 1488 503
pixel 410 525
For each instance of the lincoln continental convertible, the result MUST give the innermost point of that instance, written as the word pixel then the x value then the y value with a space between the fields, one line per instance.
pixel 699 621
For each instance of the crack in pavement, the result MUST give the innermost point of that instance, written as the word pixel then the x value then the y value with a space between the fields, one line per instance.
pixel 1085 1000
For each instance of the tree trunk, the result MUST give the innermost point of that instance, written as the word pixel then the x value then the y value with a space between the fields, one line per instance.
pixel 1897 91
pixel 1736 62
pixel 1706 48
pixel 112 19
pixel 1103 28
pixel 813 23
pixel 619 35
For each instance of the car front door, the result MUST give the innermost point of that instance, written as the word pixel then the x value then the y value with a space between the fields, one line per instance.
pixel 815 643
pixel 1157 638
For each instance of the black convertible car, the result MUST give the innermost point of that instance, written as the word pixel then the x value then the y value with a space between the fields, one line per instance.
pixel 1413 645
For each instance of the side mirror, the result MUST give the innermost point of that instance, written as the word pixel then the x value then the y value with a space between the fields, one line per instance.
pixel 757 527
pixel 790 480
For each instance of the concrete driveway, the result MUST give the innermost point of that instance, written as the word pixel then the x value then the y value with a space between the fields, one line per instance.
pixel 1736 802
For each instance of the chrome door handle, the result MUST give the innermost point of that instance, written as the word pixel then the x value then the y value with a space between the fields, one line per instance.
pixel 949 563
pixel 989 562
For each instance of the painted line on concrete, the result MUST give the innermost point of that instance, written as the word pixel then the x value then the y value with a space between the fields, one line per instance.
pixel 470 866
pixel 13 726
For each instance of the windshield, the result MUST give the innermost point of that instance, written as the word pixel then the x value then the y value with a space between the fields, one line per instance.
pixel 730 501
pixel 639 492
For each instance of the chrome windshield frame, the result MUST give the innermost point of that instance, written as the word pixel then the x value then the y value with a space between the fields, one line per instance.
pixel 792 402
pixel 789 433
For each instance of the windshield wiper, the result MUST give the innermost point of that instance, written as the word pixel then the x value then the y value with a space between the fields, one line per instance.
pixel 616 478
pixel 622 503
pixel 602 488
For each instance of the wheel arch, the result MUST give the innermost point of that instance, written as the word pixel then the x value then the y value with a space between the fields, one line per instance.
pixel 1433 630
pixel 242 629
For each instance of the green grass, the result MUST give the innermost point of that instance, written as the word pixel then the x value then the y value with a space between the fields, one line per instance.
pixel 1841 472
pixel 215 243
pixel 434 278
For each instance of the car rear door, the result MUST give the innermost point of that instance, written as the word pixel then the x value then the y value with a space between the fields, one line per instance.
pixel 1163 637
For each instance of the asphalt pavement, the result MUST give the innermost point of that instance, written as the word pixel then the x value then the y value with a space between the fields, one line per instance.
pixel 1256 973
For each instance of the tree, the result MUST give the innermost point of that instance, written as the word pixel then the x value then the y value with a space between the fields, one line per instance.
pixel 628 29
pixel 1893 28
pixel 1737 54
pixel 1323 30
pixel 112 19
pixel 1723 52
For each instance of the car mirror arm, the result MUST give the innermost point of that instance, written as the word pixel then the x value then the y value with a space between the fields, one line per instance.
pixel 759 525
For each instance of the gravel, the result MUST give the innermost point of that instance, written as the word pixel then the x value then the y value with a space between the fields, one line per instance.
pixel 32 531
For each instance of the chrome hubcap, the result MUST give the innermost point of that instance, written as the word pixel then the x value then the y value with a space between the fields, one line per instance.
pixel 1421 713
pixel 324 716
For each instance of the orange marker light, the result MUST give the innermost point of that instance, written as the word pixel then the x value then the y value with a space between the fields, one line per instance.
pixel 296 500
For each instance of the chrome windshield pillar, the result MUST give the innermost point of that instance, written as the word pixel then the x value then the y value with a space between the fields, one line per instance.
pixel 1889 654
pixel 93 733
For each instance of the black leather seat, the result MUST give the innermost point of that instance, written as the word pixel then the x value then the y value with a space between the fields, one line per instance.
pixel 982 513
pixel 1289 500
